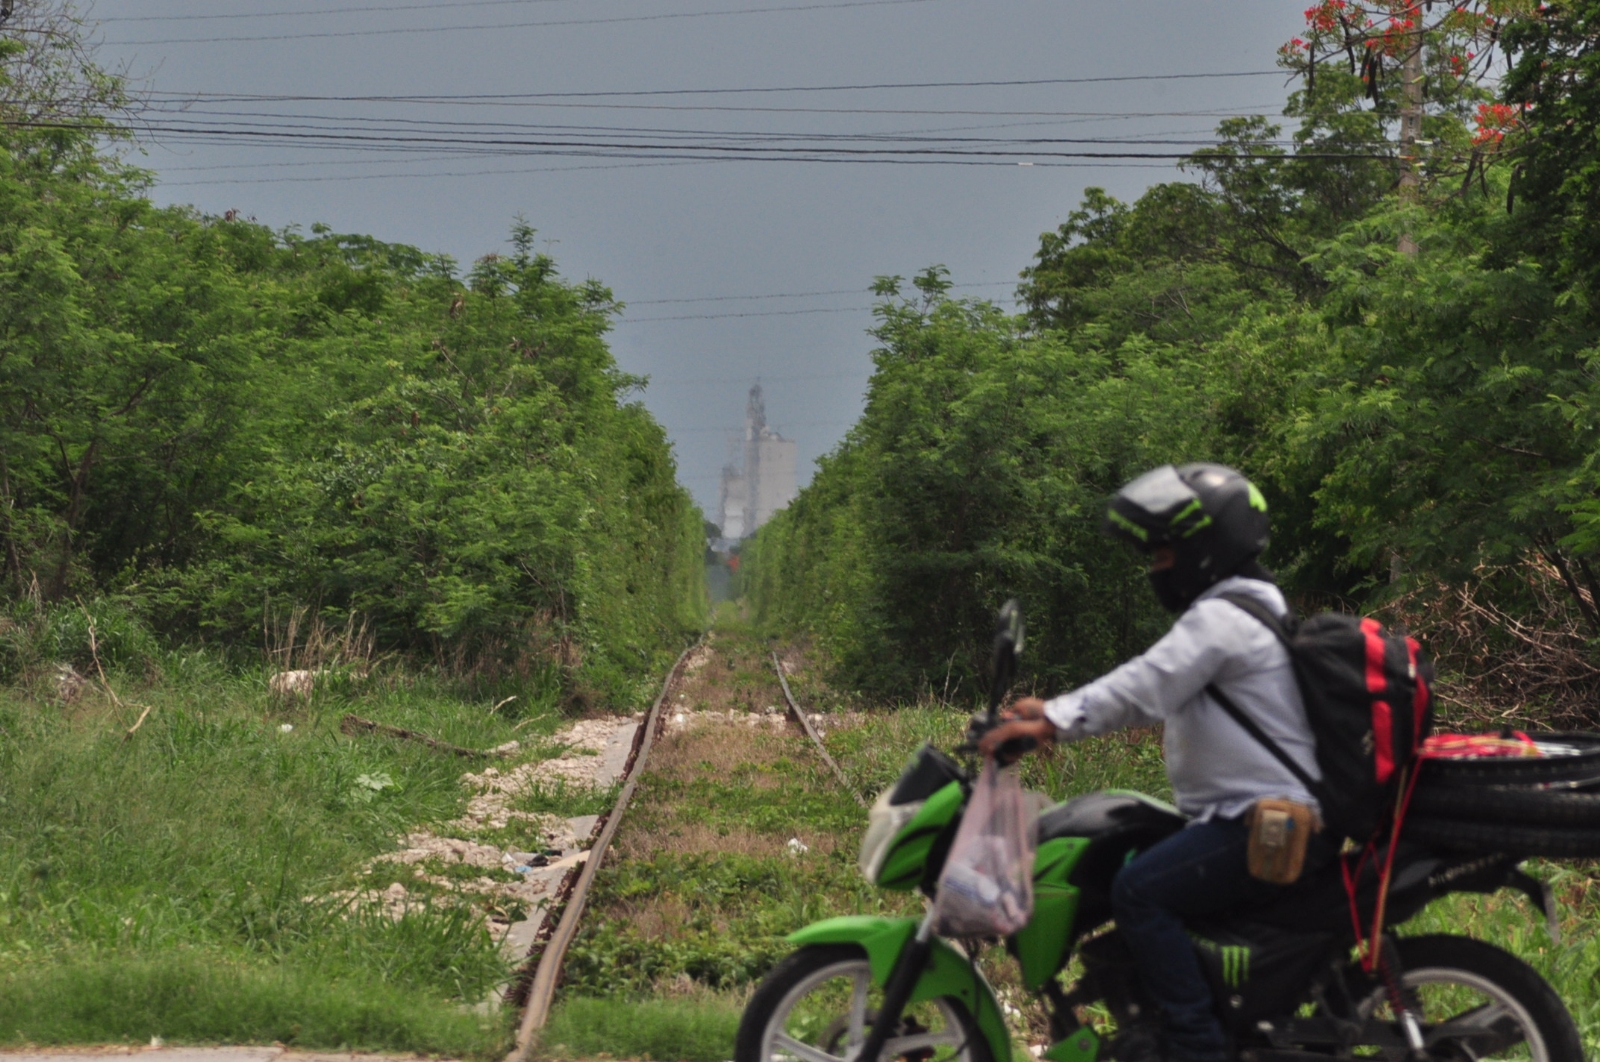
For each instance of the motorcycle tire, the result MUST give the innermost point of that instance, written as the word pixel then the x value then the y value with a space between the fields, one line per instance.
pixel 786 985
pixel 1523 805
pixel 1514 988
pixel 1471 835
pixel 1576 768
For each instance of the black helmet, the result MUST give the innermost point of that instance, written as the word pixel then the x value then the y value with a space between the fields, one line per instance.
pixel 1212 518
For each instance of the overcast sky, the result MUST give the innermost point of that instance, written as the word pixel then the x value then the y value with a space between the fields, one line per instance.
pixel 640 208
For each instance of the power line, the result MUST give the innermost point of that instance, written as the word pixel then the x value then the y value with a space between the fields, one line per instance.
pixel 494 154
pixel 718 152
pixel 749 109
pixel 322 11
pixel 339 178
pixel 475 125
pixel 524 25
pixel 458 173
pixel 865 87
pixel 794 295
pixel 422 125
pixel 752 313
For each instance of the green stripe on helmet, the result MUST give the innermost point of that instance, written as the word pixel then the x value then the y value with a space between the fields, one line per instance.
pixel 1258 501
pixel 1185 511
pixel 1128 525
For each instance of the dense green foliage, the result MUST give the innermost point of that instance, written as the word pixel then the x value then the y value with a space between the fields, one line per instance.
pixel 215 422
pixel 1417 420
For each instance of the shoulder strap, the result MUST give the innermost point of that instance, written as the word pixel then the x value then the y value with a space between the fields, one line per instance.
pixel 1282 626
pixel 1278 625
pixel 1251 727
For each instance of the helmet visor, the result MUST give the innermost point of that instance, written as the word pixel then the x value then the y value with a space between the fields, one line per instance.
pixel 1159 493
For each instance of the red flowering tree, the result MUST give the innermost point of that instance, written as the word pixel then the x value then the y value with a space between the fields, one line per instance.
pixel 1350 57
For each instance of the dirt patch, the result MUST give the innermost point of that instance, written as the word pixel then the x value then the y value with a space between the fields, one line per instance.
pixel 712 741
pixel 690 838
pixel 698 658
pixel 728 676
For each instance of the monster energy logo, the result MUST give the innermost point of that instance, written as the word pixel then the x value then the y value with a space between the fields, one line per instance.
pixel 1235 960
pixel 1235 965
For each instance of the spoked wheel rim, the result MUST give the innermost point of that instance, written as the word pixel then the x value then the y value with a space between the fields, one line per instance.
pixel 849 1019
pixel 1497 1026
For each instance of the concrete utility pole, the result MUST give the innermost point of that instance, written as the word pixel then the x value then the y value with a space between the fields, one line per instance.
pixel 1410 114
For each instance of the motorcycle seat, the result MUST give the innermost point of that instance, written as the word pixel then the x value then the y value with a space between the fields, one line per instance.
pixel 1112 812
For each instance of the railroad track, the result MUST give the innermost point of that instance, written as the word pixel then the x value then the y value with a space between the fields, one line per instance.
pixel 574 893
pixel 811 732
pixel 536 985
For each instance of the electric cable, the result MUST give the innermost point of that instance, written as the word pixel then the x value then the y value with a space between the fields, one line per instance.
pixel 871 86
pixel 445 156
pixel 727 151
pixel 408 124
pixel 396 30
pixel 384 8
pixel 796 295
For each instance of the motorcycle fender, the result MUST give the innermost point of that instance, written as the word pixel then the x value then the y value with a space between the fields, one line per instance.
pixel 948 973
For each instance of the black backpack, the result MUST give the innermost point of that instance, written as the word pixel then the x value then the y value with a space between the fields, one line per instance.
pixel 1368 697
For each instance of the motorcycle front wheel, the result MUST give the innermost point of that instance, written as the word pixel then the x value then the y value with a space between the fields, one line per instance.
pixel 818 1005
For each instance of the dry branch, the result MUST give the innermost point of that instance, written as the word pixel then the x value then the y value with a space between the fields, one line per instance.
pixel 355 725
pixel 1511 645
pixel 105 684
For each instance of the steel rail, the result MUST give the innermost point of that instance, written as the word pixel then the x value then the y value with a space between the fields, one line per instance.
pixel 805 724
pixel 542 988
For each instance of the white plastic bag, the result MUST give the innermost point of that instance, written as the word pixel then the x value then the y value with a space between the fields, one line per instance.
pixel 986 886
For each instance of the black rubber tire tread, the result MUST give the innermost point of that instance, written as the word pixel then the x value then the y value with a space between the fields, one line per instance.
pixel 1580 768
pixel 1521 981
pixel 1472 835
pixel 796 967
pixel 1522 805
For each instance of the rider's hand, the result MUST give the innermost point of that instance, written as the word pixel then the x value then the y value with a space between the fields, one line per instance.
pixel 1024 708
pixel 1041 730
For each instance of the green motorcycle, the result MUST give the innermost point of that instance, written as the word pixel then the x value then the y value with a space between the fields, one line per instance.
pixel 865 988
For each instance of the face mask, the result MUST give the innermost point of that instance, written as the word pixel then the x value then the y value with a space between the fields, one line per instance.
pixel 1166 585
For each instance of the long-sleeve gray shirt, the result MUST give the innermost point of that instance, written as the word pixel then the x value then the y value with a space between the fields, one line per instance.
pixel 1216 768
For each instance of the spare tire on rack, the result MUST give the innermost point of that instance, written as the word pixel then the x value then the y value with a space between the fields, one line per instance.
pixel 1569 760
pixel 1521 805
pixel 1460 835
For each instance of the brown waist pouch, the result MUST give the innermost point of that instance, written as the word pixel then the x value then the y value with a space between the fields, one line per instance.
pixel 1279 832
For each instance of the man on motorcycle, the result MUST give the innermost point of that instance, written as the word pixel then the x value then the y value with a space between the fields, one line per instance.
pixel 1203 526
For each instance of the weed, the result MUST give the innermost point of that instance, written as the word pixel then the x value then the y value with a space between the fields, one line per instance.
pixel 197 855
pixel 666 1030
pixel 190 997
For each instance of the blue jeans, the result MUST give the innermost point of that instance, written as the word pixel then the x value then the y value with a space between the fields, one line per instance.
pixel 1198 871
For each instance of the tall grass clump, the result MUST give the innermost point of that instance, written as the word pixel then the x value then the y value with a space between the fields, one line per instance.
pixel 186 997
pixel 699 1029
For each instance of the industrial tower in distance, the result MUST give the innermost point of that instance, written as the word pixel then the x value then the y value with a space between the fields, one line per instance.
pixel 765 482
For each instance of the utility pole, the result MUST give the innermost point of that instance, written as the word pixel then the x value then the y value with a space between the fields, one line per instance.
pixel 1410 114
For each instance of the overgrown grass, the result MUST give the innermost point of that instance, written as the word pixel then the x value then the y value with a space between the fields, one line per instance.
pixel 698 1029
pixel 181 996
pixel 198 855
